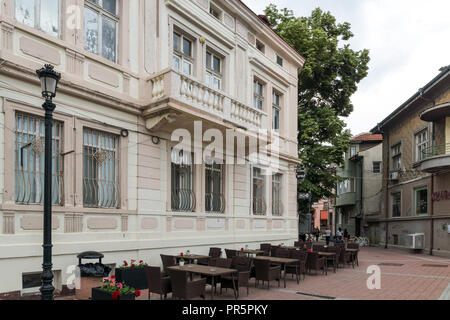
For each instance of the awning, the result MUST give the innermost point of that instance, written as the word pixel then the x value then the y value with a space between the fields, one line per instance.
pixel 324 215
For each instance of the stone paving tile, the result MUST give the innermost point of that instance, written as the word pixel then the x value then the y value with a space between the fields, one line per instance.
pixel 411 281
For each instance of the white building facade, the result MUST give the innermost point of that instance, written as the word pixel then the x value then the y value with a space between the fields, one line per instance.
pixel 136 74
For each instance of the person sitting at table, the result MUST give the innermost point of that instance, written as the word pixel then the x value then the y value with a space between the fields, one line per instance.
pixel 327 235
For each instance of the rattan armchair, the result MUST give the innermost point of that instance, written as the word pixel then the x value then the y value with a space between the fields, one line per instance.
pixel 182 288
pixel 315 262
pixel 241 279
pixel 158 282
pixel 300 267
pixel 265 272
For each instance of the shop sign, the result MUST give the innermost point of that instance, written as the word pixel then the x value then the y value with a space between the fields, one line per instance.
pixel 441 195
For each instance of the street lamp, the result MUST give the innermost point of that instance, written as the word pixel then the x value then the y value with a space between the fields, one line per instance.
pixel 49 82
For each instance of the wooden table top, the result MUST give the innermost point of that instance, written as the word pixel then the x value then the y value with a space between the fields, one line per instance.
pixel 205 270
pixel 327 254
pixel 352 250
pixel 192 256
pixel 251 251
pixel 276 259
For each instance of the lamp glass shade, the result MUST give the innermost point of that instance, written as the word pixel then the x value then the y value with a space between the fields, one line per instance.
pixel 49 81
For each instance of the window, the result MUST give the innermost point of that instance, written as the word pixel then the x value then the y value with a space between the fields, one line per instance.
pixel 40 14
pixel 101 188
pixel 277 204
pixel 216 12
pixel 276 107
pixel 260 46
pixel 182 54
pixel 30 160
pixel 214 198
pixel 376 167
pixel 396 157
pixel 352 151
pixel 347 186
pixel 213 71
pixel 259 186
pixel 182 194
pixel 279 60
pixel 258 95
pixel 421 197
pixel 396 199
pixel 100 28
pixel 421 140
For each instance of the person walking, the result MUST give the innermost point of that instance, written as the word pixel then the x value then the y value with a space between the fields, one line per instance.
pixel 346 236
pixel 317 234
pixel 339 235
pixel 327 235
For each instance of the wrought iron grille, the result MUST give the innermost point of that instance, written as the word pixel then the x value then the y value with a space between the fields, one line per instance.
pixel 214 199
pixel 277 204
pixel 259 204
pixel 30 160
pixel 101 187
pixel 182 194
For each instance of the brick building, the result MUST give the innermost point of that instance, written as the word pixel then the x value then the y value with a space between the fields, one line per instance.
pixel 416 174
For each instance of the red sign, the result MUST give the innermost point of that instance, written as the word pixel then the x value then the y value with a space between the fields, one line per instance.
pixel 440 195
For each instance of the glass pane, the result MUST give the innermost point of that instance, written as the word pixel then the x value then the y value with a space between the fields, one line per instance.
pixel 25 12
pixel 90 31
pixel 422 201
pixel 187 68
pixel 216 64
pixel 216 84
pixel 50 17
pixel 109 39
pixel 176 42
pixel 176 63
pixel 208 60
pixel 276 119
pixel 187 47
pixel 110 5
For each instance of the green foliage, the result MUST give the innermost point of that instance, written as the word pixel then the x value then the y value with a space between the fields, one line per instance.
pixel 326 84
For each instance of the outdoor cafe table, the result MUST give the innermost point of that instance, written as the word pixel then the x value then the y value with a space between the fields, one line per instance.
pixel 250 252
pixel 354 253
pixel 281 261
pixel 191 257
pixel 210 271
pixel 328 255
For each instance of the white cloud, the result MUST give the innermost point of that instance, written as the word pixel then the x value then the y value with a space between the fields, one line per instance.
pixel 408 42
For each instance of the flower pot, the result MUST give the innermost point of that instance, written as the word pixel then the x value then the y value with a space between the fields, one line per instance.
pixel 101 295
pixel 181 263
pixel 133 277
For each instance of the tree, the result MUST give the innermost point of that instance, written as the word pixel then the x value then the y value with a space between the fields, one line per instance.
pixel 326 84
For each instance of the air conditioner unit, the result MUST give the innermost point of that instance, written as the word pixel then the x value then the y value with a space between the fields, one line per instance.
pixel 417 241
pixel 394 175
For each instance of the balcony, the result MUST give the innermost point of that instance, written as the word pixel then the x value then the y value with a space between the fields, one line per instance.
pixel 176 99
pixel 436 113
pixel 346 199
pixel 436 159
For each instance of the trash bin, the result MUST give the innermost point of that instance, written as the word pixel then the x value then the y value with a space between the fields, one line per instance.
pixel 91 274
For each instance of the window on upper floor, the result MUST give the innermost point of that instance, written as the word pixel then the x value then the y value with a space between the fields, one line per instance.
pixel 279 60
pixel 376 167
pixel 352 151
pixel 30 160
pixel 259 206
pixel 396 204
pixel 183 54
pixel 346 186
pixel 182 181
pixel 276 110
pixel 214 185
pixel 100 28
pixel 214 71
pixel 215 11
pixel 421 201
pixel 396 157
pixel 277 197
pixel 258 95
pixel 101 188
pixel 421 144
pixel 260 46
pixel 40 14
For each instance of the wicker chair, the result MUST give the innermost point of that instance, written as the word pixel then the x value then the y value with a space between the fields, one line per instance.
pixel 243 265
pixel 157 282
pixel 231 253
pixel 335 259
pixel 300 267
pixel 184 289
pixel 355 255
pixel 266 272
pixel 309 245
pixel 214 253
pixel 273 251
pixel 168 261
pixel 345 257
pixel 282 253
pixel 318 248
pixel 219 263
pixel 315 262
pixel 299 244
pixel 266 248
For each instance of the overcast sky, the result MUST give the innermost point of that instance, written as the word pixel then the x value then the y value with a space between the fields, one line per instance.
pixel 409 41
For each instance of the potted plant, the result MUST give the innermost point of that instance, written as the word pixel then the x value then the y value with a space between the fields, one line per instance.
pixel 181 261
pixel 114 290
pixel 133 274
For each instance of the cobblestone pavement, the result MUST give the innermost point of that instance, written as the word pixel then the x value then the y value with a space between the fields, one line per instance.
pixel 404 276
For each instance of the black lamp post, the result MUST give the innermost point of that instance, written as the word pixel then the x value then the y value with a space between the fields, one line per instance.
pixel 49 82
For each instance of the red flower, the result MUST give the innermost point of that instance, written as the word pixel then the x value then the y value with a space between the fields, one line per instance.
pixel 113 277
pixel 125 263
pixel 141 261
pixel 242 249
pixel 181 254
pixel 116 295
pixel 310 250
pixel 132 265
pixel 137 293
pixel 133 260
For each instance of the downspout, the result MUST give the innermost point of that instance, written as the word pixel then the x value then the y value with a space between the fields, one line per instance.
pixel 387 189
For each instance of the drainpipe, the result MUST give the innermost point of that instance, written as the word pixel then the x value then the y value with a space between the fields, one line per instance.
pixel 431 216
pixel 387 190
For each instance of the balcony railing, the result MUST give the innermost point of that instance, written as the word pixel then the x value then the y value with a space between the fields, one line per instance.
pixel 174 85
pixel 183 200
pixel 214 202
pixel 259 207
pixel 277 208
pixel 435 151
